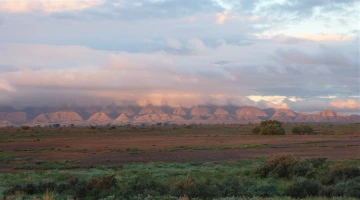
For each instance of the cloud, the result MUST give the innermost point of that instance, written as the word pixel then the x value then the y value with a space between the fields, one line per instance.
pixel 221 17
pixel 5 86
pixel 46 6
pixel 266 71
pixel 48 56
pixel 350 103
pixel 303 8
pixel 174 44
pixel 325 37
pixel 306 38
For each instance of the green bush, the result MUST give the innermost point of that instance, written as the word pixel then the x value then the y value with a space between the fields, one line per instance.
pixel 263 190
pixel 196 188
pixel 235 186
pixel 94 189
pixel 349 188
pixel 144 185
pixel 267 122
pixel 203 188
pixel 271 127
pixel 338 173
pixel 302 187
pixel 280 166
pixel 302 129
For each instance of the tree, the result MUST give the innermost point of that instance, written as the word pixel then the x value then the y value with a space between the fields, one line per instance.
pixel 271 127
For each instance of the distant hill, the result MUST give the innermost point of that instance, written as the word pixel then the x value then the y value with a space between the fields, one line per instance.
pixel 119 115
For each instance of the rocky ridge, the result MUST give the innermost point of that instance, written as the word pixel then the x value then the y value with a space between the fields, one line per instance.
pixel 155 114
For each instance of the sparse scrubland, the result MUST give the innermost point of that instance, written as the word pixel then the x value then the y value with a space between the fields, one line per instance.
pixel 280 177
pixel 220 162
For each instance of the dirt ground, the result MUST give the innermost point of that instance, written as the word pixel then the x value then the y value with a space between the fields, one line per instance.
pixel 110 149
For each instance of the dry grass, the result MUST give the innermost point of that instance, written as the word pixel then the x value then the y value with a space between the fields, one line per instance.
pixel 185 197
pixel 49 195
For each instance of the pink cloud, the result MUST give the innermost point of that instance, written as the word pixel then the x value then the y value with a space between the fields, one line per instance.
pixel 350 103
pixel 46 6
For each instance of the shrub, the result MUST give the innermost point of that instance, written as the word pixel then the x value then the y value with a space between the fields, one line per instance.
pixel 255 130
pixel 263 190
pixel 196 188
pixel 353 188
pixel 96 188
pixel 302 129
pixel 237 187
pixel 302 187
pixel 280 166
pixel 316 162
pixel 144 185
pixel 339 173
pixel 271 127
pixel 105 182
pixel 25 127
pixel 300 169
pixel 267 122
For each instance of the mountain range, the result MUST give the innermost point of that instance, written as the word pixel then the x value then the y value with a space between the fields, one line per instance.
pixel 120 115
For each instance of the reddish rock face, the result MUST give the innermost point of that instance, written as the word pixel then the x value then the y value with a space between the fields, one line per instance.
pixel 179 111
pixel 284 115
pixel 99 117
pixel 199 111
pixel 151 110
pixel 122 119
pixel 127 111
pixel 16 117
pixel 251 111
pixel 221 111
pixel 57 117
pixel 327 113
pixel 179 115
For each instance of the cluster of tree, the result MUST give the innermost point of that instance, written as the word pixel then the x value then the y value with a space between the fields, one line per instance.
pixel 269 127
pixel 274 127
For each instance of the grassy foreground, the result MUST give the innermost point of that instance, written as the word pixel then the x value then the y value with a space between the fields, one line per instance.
pixel 282 177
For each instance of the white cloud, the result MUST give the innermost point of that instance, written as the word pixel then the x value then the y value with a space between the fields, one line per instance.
pixel 272 99
pixel 174 44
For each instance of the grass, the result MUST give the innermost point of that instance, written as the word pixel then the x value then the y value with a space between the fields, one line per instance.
pixel 5 158
pixel 47 165
pixel 134 151
pixel 49 195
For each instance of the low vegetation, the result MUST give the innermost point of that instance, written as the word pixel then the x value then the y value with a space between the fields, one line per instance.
pixel 302 129
pixel 280 177
pixel 269 127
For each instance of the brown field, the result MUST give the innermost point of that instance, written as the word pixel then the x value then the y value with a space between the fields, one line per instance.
pixel 106 146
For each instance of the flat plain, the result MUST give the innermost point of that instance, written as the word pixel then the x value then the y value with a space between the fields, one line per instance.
pixel 198 162
pixel 24 149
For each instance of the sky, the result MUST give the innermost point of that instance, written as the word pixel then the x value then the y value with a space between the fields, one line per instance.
pixel 296 54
